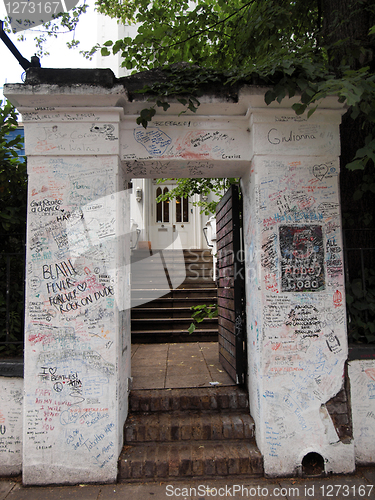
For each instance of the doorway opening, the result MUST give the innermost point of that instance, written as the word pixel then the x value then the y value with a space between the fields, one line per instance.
pixel 164 353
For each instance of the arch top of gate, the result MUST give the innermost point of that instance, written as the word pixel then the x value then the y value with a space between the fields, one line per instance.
pixel 84 112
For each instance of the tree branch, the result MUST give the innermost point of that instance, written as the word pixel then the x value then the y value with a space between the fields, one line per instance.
pixel 209 28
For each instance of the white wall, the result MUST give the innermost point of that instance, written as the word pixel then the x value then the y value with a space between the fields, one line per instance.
pixel 11 397
pixel 110 29
pixel 362 391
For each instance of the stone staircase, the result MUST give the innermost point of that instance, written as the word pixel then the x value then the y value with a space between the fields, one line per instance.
pixel 183 433
pixel 167 317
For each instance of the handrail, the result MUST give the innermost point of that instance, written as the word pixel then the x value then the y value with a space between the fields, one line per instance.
pixel 205 235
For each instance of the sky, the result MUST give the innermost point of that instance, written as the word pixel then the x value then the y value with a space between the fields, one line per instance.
pixel 60 55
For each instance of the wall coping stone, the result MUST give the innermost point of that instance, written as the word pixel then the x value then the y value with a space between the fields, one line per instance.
pixel 365 351
pixel 12 367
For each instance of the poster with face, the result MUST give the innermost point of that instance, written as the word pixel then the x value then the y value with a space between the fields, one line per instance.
pixel 302 258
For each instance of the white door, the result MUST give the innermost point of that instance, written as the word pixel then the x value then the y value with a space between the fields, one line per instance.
pixel 171 221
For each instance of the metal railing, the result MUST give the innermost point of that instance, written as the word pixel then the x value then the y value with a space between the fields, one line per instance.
pixel 359 257
pixel 12 303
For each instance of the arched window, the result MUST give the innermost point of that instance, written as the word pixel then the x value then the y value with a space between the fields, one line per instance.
pixel 159 207
pixel 162 208
pixel 166 207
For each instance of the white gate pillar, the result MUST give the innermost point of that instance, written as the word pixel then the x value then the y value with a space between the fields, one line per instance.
pixel 77 327
pixel 296 322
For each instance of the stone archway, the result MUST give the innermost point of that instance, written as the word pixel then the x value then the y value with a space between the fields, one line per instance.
pixel 83 146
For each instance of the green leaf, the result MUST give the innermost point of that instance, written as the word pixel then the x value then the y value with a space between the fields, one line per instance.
pixel 299 108
pixel 105 52
pixel 191 328
pixel 311 111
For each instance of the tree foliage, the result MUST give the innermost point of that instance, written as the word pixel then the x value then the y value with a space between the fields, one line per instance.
pixel 13 179
pixel 204 187
pixel 62 22
pixel 13 200
pixel 313 48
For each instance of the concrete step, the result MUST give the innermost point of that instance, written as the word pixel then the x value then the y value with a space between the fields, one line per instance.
pixel 190 399
pixel 176 302
pixel 205 459
pixel 166 320
pixel 161 312
pixel 177 293
pixel 188 426
pixel 170 324
pixel 151 279
pixel 189 257
pixel 190 283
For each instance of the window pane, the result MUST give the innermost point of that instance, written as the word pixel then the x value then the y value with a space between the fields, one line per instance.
pixel 159 207
pixel 178 209
pixel 166 207
pixel 186 209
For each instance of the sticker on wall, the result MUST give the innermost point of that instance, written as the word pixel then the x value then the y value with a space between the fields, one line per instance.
pixel 153 139
pixel 302 258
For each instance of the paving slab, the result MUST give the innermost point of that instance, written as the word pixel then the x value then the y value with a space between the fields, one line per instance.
pixel 5 488
pixel 355 486
pixel 153 382
pixel 134 349
pixel 83 492
pixel 369 474
pixel 339 487
pixel 212 489
pixel 158 366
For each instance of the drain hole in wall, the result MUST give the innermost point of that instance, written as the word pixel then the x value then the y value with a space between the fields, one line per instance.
pixel 312 464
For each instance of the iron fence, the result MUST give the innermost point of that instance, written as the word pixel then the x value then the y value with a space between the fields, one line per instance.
pixel 12 303
pixel 359 255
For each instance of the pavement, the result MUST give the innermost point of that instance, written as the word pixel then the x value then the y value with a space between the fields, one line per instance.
pixel 177 365
pixel 360 485
pixel 195 364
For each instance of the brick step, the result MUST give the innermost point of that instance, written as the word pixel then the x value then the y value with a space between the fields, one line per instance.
pixel 190 399
pixel 205 459
pixel 164 336
pixel 188 426
pixel 170 324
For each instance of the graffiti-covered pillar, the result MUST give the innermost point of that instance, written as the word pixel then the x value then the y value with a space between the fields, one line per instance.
pixel 77 334
pixel 296 323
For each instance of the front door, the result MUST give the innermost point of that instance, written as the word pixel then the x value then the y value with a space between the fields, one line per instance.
pixel 171 221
